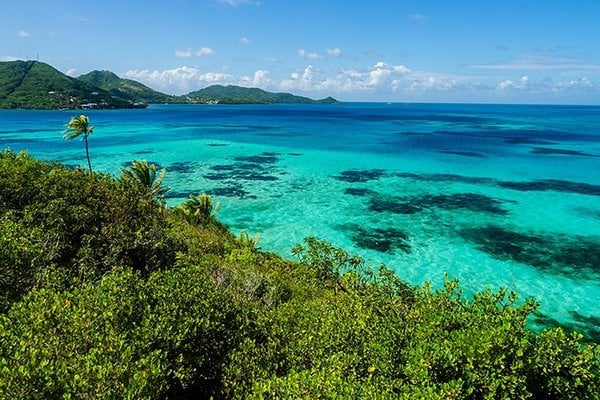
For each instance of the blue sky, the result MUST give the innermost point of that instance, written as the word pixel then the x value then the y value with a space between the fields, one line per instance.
pixel 503 51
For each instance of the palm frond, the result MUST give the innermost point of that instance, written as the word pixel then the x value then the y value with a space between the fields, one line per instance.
pixel 77 126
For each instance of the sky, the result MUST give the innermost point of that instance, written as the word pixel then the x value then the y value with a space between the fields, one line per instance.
pixel 469 51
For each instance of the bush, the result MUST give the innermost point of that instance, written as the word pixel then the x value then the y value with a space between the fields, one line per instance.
pixel 108 294
pixel 73 221
pixel 124 337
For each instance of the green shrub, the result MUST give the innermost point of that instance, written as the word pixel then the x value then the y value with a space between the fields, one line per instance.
pixel 124 337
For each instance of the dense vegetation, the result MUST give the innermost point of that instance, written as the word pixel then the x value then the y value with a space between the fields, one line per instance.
pixel 107 293
pixel 240 95
pixel 36 85
pixel 126 88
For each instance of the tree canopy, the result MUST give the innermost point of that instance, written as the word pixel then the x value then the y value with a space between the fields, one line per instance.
pixel 105 293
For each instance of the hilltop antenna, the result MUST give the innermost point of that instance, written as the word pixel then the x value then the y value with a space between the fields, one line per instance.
pixel 37 57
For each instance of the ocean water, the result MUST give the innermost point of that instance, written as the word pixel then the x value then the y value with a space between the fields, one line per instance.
pixel 494 195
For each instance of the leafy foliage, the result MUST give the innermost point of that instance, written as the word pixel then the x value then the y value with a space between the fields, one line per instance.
pixel 78 126
pixel 81 224
pixel 105 293
pixel 125 88
pixel 240 95
pixel 198 209
pixel 143 175
pixel 37 85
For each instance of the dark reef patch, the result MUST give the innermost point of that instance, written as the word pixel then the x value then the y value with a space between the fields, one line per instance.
pixel 231 191
pixel 144 152
pixel 355 175
pixel 447 178
pixel 588 326
pixel 393 205
pixel 463 153
pixel 556 185
pixel 527 140
pixel 234 167
pixel 463 201
pixel 217 145
pixel 241 175
pixel 383 240
pixel 264 158
pixel 358 192
pixel 588 212
pixel 294 154
pixel 458 201
pixel 562 152
pixel 539 185
pixel 504 244
pixel 576 257
pixel 243 170
pixel 591 320
pixel 181 167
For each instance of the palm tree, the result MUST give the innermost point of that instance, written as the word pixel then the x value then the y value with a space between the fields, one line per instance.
pixel 77 126
pixel 198 209
pixel 144 175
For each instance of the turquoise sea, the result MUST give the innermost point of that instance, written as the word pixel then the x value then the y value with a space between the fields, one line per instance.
pixel 495 195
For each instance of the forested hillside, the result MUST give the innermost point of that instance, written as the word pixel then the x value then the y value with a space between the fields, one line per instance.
pixel 36 85
pixel 105 292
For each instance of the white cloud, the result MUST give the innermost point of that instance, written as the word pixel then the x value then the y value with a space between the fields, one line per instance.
pixel 205 51
pixel 183 53
pixel 9 58
pixel 187 53
pixel 544 86
pixel 245 41
pixel 71 72
pixel 259 79
pixel 379 77
pixel 52 34
pixel 215 77
pixel 379 81
pixel 309 56
pixel 582 82
pixel 335 52
pixel 507 85
pixel 23 34
pixel 381 72
pixel 180 80
pixel 177 79
pixel 440 83
pixel 300 80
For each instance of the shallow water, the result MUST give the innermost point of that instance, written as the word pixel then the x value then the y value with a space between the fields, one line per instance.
pixel 494 195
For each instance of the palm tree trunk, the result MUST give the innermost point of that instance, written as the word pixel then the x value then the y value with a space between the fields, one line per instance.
pixel 87 153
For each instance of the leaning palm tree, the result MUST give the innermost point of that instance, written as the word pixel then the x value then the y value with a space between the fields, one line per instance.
pixel 77 126
pixel 144 175
pixel 198 209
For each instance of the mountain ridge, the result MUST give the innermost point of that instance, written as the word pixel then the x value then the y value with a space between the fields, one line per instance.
pixel 37 85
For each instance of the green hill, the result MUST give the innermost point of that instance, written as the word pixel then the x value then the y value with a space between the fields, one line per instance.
pixel 242 95
pixel 126 88
pixel 37 85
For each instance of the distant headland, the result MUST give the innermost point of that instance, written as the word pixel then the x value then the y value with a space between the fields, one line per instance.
pixel 37 85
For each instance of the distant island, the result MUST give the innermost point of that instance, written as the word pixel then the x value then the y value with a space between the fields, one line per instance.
pixel 37 85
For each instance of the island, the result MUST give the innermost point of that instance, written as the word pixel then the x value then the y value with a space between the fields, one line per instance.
pixel 37 85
